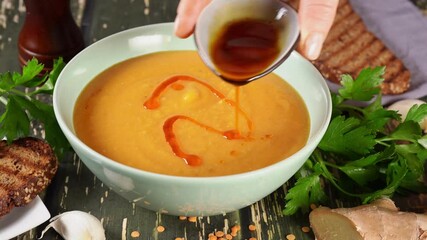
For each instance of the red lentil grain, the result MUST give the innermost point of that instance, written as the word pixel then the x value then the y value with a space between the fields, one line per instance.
pixel 219 234
pixel 290 237
pixel 234 230
pixel 160 229
pixel 252 227
pixel 213 237
pixel 135 234
pixel 305 229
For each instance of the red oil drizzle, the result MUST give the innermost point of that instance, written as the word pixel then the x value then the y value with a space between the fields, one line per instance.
pixel 153 102
pixel 236 108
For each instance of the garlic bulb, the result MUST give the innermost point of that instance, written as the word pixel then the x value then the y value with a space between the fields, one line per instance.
pixel 403 107
pixel 76 225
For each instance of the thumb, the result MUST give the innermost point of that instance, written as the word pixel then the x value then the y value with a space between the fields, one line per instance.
pixel 316 18
pixel 187 13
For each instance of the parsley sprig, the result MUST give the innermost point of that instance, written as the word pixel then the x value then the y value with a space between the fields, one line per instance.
pixel 21 93
pixel 359 155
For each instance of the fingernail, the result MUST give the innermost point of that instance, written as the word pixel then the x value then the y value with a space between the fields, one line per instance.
pixel 313 45
pixel 176 24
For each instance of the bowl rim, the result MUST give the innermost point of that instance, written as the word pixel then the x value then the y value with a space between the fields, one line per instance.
pixel 103 160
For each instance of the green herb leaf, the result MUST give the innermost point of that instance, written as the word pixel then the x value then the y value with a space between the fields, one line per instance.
pixel 347 136
pixel 49 84
pixel 23 107
pixel 417 113
pixel 423 141
pixel 6 82
pixel 378 119
pixel 358 155
pixel 408 131
pixel 306 191
pixel 29 74
pixel 365 87
pixel 361 175
pixel 14 121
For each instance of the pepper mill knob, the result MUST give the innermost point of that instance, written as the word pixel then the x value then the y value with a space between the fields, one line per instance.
pixel 49 32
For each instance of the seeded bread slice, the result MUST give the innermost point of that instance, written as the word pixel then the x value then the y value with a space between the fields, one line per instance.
pixel 27 167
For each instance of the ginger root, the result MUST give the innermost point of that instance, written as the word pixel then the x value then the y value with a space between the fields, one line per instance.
pixel 379 220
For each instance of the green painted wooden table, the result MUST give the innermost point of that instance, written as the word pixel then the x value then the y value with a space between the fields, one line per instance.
pixel 76 188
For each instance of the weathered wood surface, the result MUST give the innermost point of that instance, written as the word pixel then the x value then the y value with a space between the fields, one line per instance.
pixel 12 15
pixel 76 188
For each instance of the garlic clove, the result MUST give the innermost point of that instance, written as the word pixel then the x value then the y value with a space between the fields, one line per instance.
pixel 76 225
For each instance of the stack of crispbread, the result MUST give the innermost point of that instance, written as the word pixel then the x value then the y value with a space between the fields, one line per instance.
pixel 350 47
pixel 27 166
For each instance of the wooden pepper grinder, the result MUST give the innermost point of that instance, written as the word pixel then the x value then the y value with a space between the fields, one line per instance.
pixel 49 32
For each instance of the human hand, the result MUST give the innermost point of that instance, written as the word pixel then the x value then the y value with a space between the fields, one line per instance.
pixel 187 13
pixel 315 18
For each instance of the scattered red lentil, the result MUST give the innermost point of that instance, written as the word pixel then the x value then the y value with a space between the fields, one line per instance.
pixel 305 229
pixel 252 238
pixel 313 206
pixel 219 234
pixel 234 230
pixel 252 227
pixel 160 229
pixel 178 238
pixel 182 218
pixel 213 237
pixel 290 237
pixel 192 219
pixel 135 234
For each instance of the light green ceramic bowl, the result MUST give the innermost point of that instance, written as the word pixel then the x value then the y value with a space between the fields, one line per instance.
pixel 191 196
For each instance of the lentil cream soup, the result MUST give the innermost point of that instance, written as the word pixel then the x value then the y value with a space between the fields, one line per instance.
pixel 168 113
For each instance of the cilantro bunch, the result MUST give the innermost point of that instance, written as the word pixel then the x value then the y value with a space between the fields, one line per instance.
pixel 360 156
pixel 22 94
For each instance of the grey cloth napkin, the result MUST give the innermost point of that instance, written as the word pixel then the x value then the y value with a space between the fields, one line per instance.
pixel 403 29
